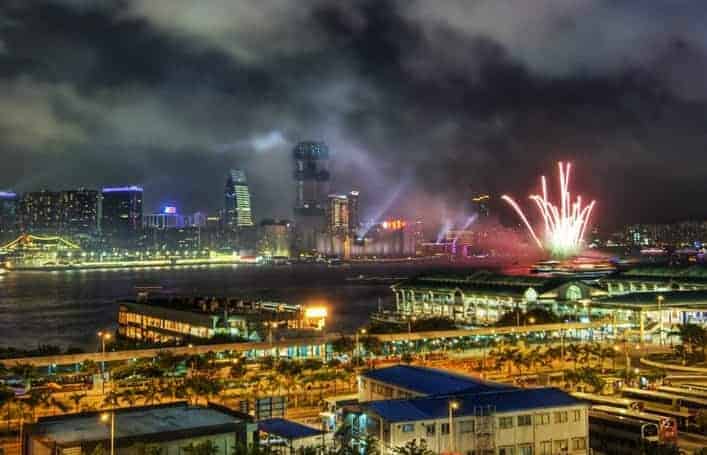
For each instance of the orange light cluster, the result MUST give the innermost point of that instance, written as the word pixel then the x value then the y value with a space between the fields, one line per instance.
pixel 394 224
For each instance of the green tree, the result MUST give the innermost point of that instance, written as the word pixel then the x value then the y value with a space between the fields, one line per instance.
pixel 694 338
pixel 343 345
pixel 203 448
pixel 76 398
pixel 413 448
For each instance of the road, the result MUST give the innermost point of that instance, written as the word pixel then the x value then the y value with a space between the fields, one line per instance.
pixel 116 356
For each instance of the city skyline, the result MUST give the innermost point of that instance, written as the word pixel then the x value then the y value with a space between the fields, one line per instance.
pixel 411 101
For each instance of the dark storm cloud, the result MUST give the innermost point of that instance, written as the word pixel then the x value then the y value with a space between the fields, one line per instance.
pixel 422 97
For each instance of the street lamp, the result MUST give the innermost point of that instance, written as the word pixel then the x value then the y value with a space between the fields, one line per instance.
pixel 104 336
pixel 453 406
pixel 110 417
pixel 358 346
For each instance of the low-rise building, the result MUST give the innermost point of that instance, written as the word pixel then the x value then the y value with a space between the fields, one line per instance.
pixel 282 436
pixel 453 413
pixel 180 319
pixel 169 428
pixel 543 421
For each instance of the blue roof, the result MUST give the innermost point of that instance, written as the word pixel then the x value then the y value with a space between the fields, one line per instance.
pixel 287 429
pixel 500 401
pixel 429 381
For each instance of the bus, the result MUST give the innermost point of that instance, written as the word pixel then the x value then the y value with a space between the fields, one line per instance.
pixel 688 392
pixel 664 399
pixel 616 434
pixel 683 408
pixel 667 426
pixel 617 402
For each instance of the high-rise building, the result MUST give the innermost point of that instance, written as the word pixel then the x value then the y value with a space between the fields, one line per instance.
pixel 79 212
pixel 40 212
pixel 354 213
pixel 338 214
pixel 311 175
pixel 9 225
pixel 121 217
pixel 237 200
pixel 274 239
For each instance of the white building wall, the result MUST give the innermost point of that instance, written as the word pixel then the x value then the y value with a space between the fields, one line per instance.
pixel 574 432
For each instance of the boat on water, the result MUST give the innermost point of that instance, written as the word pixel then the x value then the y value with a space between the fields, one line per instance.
pixel 583 267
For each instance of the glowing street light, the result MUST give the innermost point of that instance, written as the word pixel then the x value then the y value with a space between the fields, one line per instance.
pixel 110 417
pixel 104 336
pixel 453 406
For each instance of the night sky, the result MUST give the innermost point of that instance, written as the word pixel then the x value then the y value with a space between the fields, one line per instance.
pixel 418 99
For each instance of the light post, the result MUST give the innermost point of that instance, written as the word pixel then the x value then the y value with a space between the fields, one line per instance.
pixel 110 416
pixel 660 318
pixel 358 345
pixel 453 406
pixel 104 336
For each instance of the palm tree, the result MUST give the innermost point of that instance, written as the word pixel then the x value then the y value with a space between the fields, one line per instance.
pixel 573 352
pixel 111 400
pixel 76 398
pixel 25 371
pixel 129 396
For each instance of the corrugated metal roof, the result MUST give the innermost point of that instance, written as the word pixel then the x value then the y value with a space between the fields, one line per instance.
pixel 430 381
pixel 499 401
pixel 287 429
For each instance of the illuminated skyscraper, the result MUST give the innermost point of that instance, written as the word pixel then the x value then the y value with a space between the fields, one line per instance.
pixel 311 160
pixel 8 215
pixel 338 214
pixel 237 208
pixel 311 174
pixel 121 216
pixel 354 214
pixel 79 212
pixel 40 212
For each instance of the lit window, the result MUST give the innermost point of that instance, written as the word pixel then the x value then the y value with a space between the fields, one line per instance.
pixel 560 445
pixel 525 449
pixel 577 415
pixel 579 443
pixel 505 422
pixel 407 428
pixel 466 426
pixel 561 417
pixel 507 450
pixel 542 419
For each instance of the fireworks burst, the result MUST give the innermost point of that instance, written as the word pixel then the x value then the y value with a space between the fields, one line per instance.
pixel 564 225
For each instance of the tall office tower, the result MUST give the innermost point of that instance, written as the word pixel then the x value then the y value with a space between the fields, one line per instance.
pixel 237 206
pixel 311 175
pixel 9 226
pixel 40 212
pixel 354 214
pixel 121 216
pixel 338 217
pixel 79 212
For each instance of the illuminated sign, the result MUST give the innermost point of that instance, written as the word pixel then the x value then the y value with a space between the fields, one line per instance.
pixel 169 209
pixel 6 194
